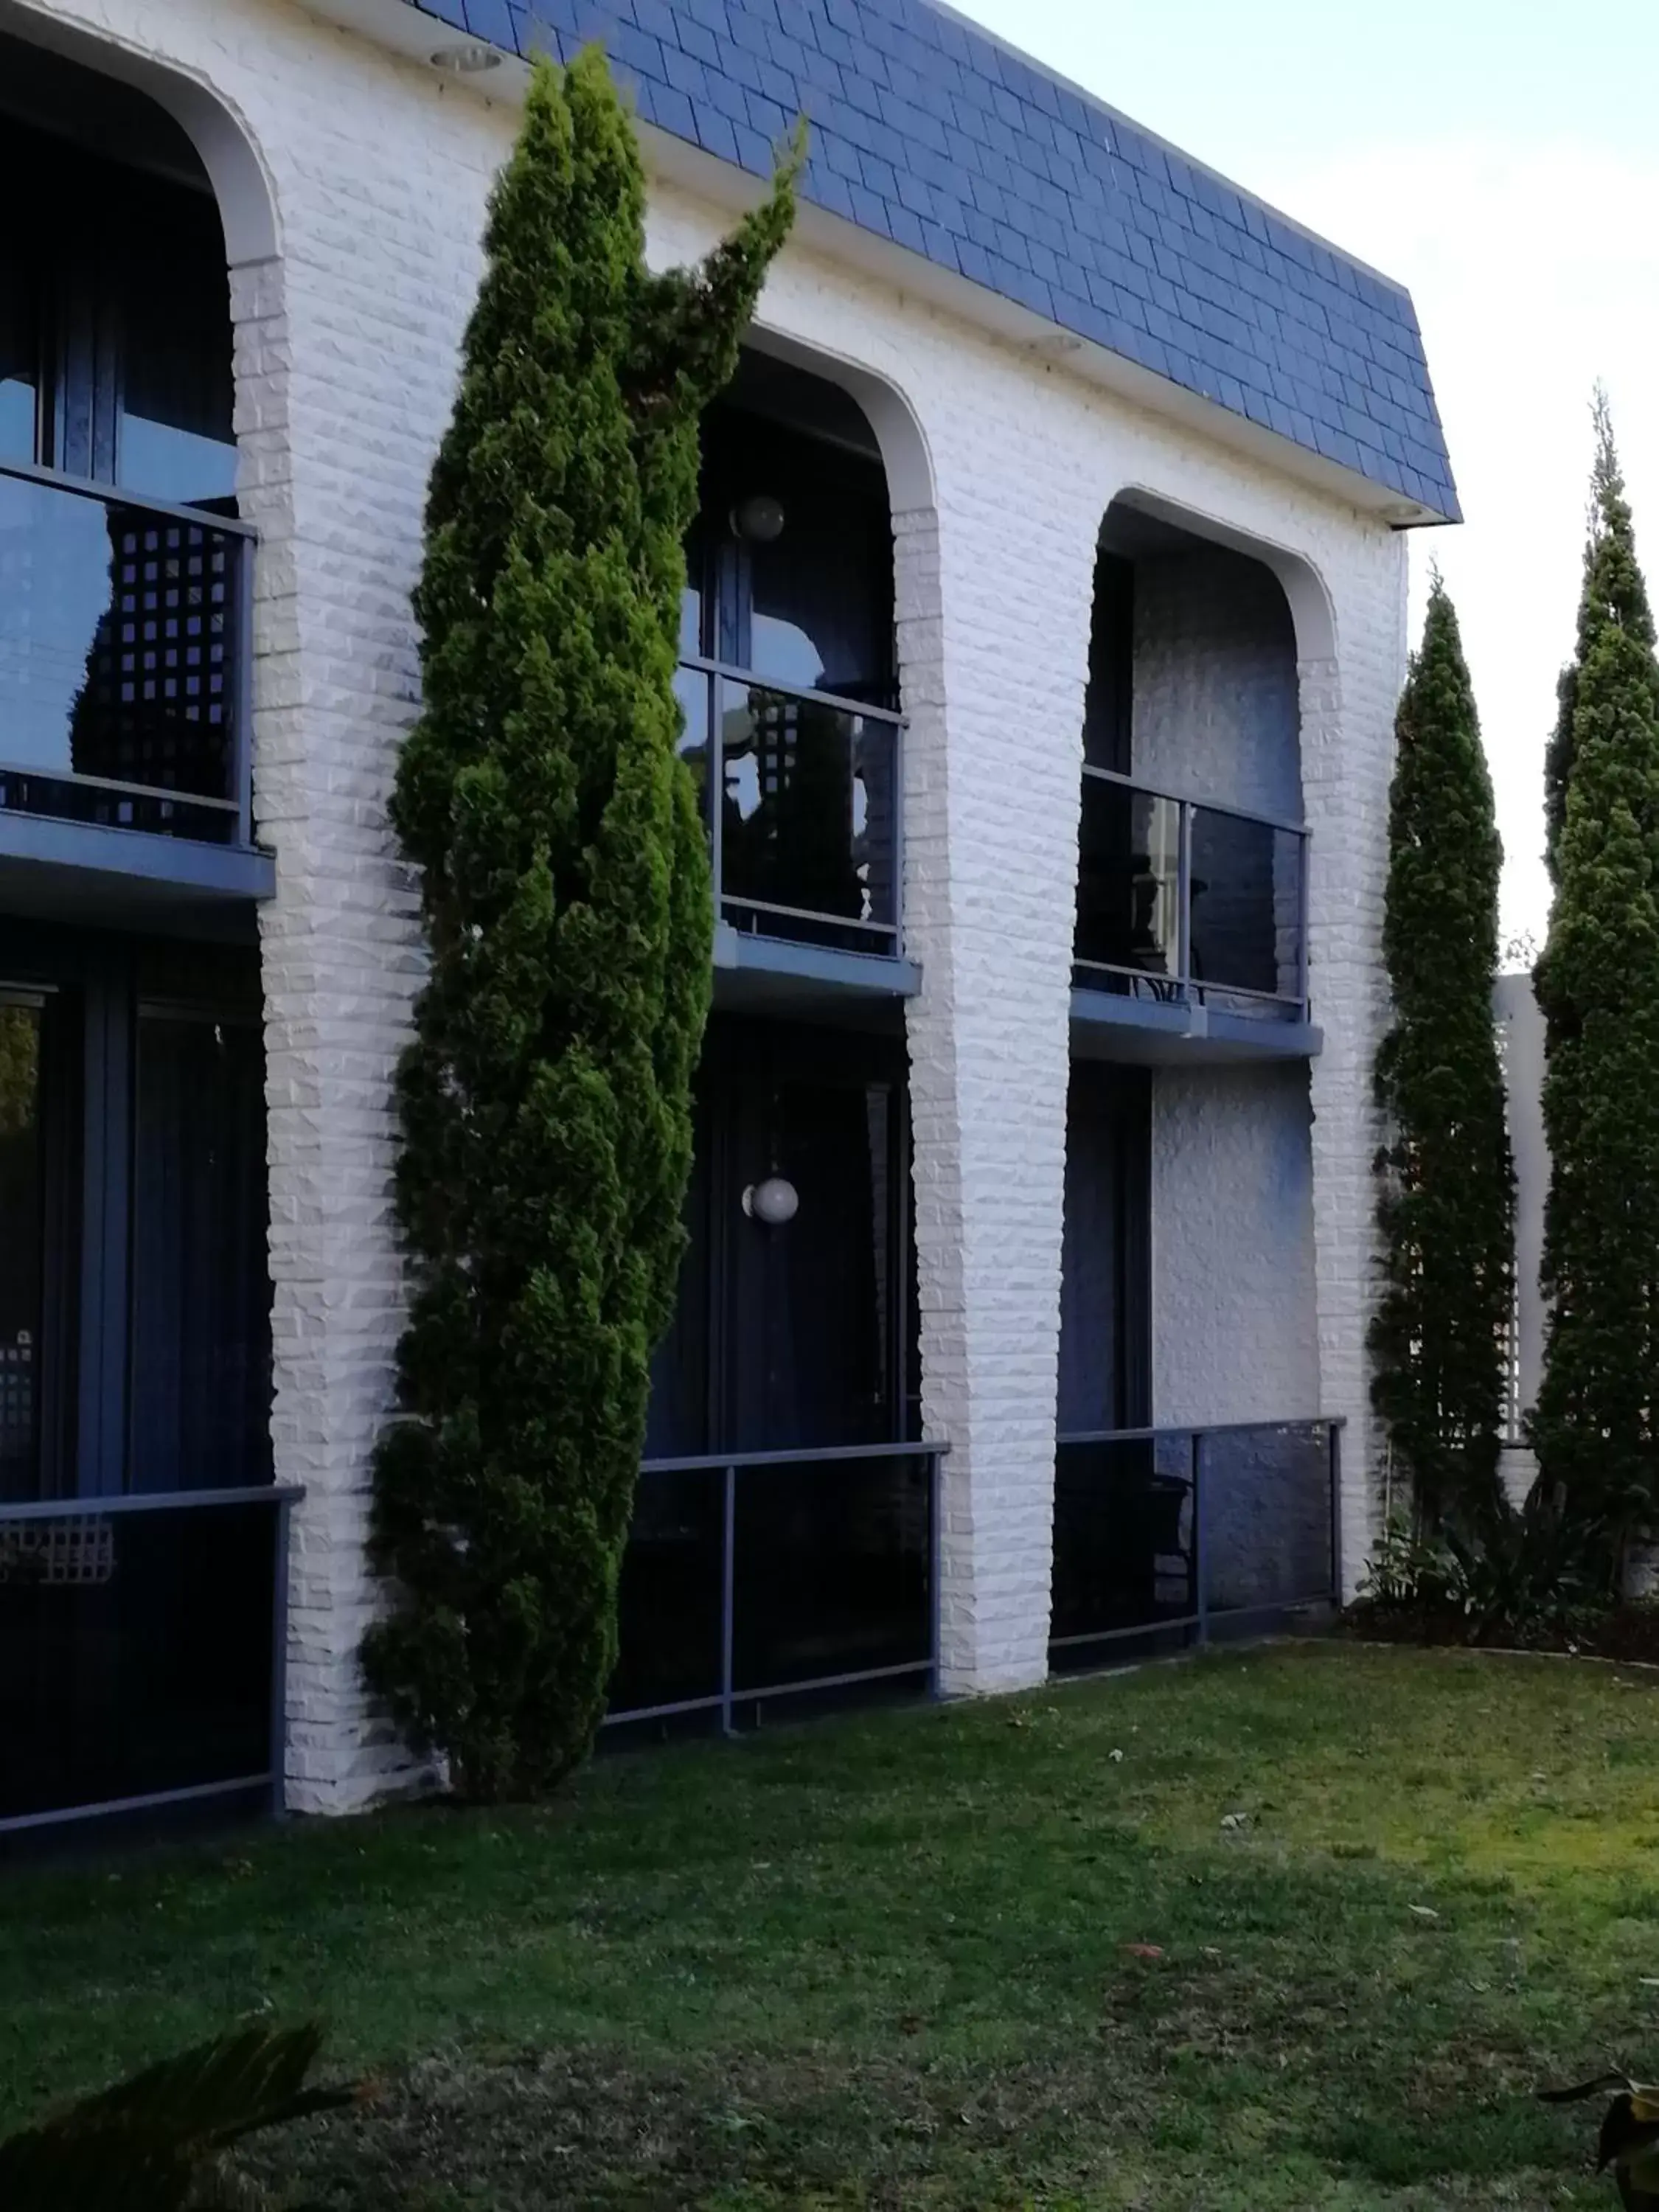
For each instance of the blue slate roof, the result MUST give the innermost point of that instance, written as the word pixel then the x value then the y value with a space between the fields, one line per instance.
pixel 930 132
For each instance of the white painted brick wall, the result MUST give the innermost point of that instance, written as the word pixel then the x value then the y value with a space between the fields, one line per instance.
pixel 346 356
pixel 1235 1303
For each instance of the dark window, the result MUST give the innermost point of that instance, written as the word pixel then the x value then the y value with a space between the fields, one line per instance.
pixel 200 1385
pixel 800 1335
pixel 115 332
pixel 1107 705
pixel 134 1293
pixel 1105 1293
pixel 791 559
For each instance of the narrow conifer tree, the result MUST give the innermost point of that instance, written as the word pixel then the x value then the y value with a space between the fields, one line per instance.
pixel 1446 1191
pixel 1598 985
pixel 545 1101
pixel 1612 589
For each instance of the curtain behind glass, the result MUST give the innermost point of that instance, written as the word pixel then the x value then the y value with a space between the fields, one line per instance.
pixel 200 1385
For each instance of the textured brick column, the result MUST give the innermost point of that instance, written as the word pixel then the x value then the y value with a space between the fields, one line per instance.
pixel 993 607
pixel 1347 756
pixel 339 961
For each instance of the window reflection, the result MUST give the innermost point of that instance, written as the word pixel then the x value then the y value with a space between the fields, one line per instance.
pixel 177 440
pixel 20 355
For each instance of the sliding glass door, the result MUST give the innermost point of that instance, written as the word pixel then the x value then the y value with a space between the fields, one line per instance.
pixel 134 1295
pixel 797 1331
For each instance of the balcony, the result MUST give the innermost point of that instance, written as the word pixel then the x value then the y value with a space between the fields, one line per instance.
pixel 141 1641
pixel 1166 1537
pixel 1191 925
pixel 125 720
pixel 800 792
pixel 758 1580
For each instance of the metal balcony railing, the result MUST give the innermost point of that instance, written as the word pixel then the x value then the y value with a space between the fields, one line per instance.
pixel 1186 902
pixel 754 1577
pixel 1176 1534
pixel 801 794
pixel 142 1648
pixel 125 637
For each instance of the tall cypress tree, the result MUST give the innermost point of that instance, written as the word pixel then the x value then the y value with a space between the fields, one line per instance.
pixel 565 892
pixel 1446 1193
pixel 1598 985
pixel 1611 590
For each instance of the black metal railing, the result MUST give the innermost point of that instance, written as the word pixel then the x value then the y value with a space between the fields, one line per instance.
pixel 1174 1533
pixel 1189 902
pixel 801 793
pixel 125 640
pixel 142 1650
pixel 753 1577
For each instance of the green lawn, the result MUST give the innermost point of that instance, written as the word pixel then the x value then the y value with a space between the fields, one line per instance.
pixel 893 1961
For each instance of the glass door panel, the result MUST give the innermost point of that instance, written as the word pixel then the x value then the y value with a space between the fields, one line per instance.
pixel 21 1238
pixel 200 1377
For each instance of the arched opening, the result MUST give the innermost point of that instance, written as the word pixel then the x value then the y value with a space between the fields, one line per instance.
pixel 1193 854
pixel 795 1331
pixel 136 1357
pixel 1188 1265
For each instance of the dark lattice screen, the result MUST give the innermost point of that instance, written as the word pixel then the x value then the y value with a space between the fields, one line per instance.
pixel 157 705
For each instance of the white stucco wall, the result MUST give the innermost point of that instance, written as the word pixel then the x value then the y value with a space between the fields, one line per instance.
pixel 1003 464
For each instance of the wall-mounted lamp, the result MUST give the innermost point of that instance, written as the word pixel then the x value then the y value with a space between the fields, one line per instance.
pixel 775 1201
pixel 467 60
pixel 758 520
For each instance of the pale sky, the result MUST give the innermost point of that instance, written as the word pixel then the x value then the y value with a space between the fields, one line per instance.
pixel 1499 160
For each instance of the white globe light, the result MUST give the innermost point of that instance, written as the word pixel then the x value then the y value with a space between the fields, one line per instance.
pixel 759 519
pixel 775 1201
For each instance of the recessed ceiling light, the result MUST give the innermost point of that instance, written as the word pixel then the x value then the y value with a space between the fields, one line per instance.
pixel 467 60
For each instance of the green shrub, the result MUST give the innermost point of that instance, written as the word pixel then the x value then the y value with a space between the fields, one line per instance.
pixel 546 1102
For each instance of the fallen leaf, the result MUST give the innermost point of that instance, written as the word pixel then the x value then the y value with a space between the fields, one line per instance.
pixel 1144 1950
pixel 1424 1912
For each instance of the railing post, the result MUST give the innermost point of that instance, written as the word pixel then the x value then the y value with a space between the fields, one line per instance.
pixel 1334 1433
pixel 1302 910
pixel 1201 1546
pixel 896 816
pixel 242 690
pixel 1184 899
pixel 728 1598
pixel 279 1660
pixel 935 1551
pixel 712 702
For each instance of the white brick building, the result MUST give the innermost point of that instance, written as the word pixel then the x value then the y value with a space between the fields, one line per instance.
pixel 1142 451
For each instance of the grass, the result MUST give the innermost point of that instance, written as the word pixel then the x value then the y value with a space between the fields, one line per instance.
pixel 1301 1927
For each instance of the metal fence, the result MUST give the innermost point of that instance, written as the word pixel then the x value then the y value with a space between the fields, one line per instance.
pixel 1183 902
pixel 754 1576
pixel 802 795
pixel 141 1650
pixel 1173 1535
pixel 125 660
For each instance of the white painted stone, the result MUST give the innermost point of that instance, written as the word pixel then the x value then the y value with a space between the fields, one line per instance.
pixel 1004 466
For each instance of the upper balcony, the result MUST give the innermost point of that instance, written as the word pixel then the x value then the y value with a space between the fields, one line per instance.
pixel 789 693
pixel 1191 937
pixel 124 708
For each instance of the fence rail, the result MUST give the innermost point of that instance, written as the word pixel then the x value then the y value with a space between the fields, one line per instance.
pixel 142 1641
pixel 1183 901
pixel 751 1577
pixel 802 795
pixel 1177 1531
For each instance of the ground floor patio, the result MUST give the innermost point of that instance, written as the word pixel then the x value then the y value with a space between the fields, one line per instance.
pixel 1301 1926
